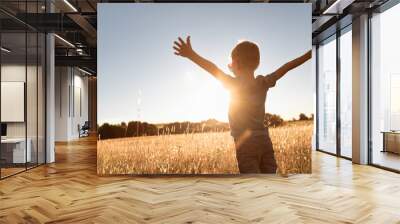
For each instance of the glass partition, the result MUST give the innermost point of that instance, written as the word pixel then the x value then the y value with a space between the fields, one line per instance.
pixel 23 90
pixel 14 155
pixel 327 95
pixel 385 89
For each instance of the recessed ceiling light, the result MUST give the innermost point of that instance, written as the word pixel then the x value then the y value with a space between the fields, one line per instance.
pixel 64 40
pixel 338 6
pixel 70 5
pixel 5 50
pixel 84 71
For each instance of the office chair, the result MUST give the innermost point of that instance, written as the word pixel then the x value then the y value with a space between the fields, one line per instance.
pixel 84 130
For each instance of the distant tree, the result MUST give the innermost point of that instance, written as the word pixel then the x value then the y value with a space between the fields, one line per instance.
pixel 104 130
pixel 303 117
pixel 151 130
pixel 137 128
pixel 124 127
pixel 272 120
pixel 107 131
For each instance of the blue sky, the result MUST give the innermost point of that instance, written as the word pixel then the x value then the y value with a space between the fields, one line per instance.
pixel 139 77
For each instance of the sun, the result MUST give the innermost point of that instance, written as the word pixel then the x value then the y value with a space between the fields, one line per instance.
pixel 206 97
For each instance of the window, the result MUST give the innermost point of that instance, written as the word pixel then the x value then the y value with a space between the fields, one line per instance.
pixel 327 95
pixel 385 89
pixel 346 92
pixel 395 102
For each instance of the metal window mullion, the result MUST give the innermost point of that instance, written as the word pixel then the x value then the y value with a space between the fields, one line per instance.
pixel 338 82
pixel 317 97
pixel 26 88
pixel 45 93
pixel 45 89
pixel 37 91
pixel 44 107
pixel 369 89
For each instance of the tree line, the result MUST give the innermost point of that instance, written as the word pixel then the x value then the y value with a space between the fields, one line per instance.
pixel 138 128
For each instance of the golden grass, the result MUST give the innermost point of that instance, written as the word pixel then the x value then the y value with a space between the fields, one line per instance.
pixel 201 153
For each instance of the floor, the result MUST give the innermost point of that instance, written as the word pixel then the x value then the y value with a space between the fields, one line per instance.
pixel 69 191
pixel 5 172
pixel 10 171
pixel 387 159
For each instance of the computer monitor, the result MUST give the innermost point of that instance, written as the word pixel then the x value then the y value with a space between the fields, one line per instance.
pixel 3 129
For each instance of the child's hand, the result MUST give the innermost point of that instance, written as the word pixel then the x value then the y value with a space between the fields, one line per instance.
pixel 183 49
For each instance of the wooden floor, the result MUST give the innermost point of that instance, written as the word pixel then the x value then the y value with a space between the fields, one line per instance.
pixel 5 172
pixel 387 159
pixel 69 191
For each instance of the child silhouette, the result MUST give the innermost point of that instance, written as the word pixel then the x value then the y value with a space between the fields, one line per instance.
pixel 254 151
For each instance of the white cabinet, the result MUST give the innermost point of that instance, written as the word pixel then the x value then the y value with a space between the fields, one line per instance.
pixel 19 155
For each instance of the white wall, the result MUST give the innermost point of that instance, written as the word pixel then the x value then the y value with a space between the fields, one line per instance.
pixel 80 110
pixel 71 86
pixel 12 73
pixel 61 103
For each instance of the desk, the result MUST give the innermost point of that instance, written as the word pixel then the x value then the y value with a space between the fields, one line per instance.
pixel 391 141
pixel 13 150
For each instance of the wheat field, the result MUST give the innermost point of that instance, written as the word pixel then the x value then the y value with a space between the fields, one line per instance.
pixel 200 153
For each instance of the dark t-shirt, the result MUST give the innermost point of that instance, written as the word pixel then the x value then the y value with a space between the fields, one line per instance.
pixel 247 104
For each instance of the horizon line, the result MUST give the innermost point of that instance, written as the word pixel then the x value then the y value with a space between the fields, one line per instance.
pixel 192 121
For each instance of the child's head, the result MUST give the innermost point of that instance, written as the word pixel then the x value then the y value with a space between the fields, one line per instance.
pixel 245 58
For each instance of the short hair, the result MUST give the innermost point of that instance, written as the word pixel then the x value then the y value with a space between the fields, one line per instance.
pixel 247 53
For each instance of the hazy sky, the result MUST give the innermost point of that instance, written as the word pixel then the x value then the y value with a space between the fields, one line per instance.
pixel 139 77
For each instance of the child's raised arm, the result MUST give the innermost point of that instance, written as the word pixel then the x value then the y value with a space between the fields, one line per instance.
pixel 185 50
pixel 280 72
